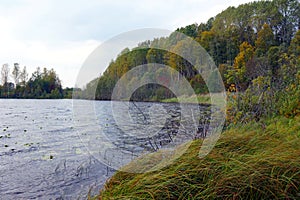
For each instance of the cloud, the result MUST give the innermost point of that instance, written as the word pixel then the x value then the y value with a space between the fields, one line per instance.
pixel 61 34
pixel 65 58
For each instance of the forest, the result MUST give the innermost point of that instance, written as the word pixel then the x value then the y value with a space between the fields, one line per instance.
pixel 256 47
pixel 43 84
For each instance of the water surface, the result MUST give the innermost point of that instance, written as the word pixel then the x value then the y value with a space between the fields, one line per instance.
pixel 46 153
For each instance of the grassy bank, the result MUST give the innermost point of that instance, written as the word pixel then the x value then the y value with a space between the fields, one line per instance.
pixel 198 99
pixel 259 160
pixel 204 99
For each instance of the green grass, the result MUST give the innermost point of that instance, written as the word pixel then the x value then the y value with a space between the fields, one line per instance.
pixel 255 161
pixel 202 99
pixel 205 99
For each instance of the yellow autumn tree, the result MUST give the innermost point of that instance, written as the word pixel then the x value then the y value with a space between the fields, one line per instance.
pixel 236 74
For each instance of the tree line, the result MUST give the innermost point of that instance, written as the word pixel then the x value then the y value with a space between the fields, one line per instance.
pixel 41 84
pixel 255 47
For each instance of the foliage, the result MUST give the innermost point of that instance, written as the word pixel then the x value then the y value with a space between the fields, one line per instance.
pixel 257 49
pixel 268 97
pixel 289 103
pixel 237 73
pixel 295 45
pixel 264 41
pixel 44 84
pixel 245 42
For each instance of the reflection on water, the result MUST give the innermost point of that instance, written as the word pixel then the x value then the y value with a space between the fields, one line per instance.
pixel 43 154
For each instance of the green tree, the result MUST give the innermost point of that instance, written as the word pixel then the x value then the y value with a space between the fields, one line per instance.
pixel 44 84
pixel 295 45
pixel 190 30
pixel 264 41
pixel 206 40
pixel 155 56
pixel 24 76
pixel 289 19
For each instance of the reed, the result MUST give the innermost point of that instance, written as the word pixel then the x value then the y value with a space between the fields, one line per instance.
pixel 259 160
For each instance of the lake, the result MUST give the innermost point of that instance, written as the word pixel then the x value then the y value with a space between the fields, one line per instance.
pixel 49 149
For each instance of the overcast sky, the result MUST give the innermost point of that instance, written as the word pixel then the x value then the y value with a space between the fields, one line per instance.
pixel 61 34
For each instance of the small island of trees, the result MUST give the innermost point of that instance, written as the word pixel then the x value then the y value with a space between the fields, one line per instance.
pixel 43 83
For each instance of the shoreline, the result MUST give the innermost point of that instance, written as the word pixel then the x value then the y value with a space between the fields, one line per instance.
pixel 244 163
